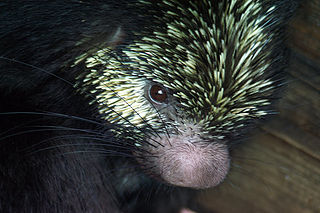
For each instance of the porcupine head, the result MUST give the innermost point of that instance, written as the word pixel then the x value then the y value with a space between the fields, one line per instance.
pixel 183 89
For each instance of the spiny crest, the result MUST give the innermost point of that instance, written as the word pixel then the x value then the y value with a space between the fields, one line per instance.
pixel 214 57
pixel 118 90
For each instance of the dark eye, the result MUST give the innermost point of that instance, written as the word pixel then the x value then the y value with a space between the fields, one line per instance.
pixel 158 94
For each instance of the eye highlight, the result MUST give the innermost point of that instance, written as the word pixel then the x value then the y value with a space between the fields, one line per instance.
pixel 158 94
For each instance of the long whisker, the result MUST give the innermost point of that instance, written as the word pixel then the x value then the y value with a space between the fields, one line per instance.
pixel 87 149
pixel 35 67
pixel 135 111
pixel 54 114
pixel 62 116
pixel 91 138
pixel 24 132
pixel 101 151
pixel 162 121
pixel 71 84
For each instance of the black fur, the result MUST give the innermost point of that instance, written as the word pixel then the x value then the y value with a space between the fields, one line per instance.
pixel 56 155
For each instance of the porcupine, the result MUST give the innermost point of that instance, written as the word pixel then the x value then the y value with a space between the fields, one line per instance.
pixel 96 94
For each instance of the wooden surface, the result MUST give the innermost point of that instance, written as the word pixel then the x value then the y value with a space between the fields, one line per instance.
pixel 278 169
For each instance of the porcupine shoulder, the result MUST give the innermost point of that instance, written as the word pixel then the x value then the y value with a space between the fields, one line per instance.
pixel 170 83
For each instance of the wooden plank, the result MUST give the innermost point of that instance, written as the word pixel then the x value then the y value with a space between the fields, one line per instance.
pixel 269 175
pixel 305 30
pixel 304 69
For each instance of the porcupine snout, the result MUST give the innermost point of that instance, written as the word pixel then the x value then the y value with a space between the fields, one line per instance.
pixel 205 71
pixel 187 160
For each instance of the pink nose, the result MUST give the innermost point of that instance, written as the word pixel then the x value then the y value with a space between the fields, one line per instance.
pixel 196 164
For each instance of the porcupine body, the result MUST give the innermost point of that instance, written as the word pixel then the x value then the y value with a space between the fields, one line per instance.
pixel 101 101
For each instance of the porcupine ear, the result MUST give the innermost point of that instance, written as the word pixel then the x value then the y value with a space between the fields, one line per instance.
pixel 117 37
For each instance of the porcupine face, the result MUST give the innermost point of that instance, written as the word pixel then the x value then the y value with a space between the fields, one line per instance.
pixel 186 85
